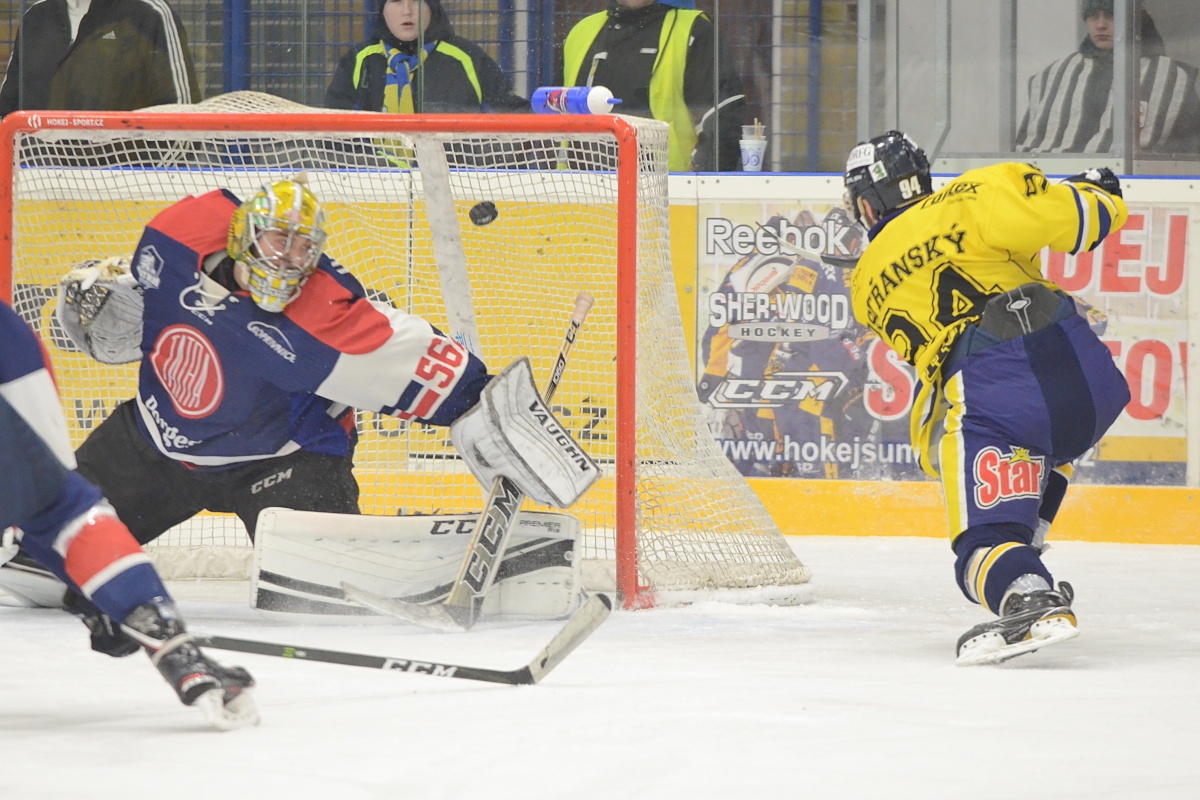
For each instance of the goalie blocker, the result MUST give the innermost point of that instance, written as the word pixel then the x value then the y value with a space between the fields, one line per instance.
pixel 511 432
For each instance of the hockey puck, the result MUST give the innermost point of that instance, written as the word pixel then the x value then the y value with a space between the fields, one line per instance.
pixel 484 212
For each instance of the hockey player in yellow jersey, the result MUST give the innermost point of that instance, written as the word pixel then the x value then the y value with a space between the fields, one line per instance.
pixel 1014 383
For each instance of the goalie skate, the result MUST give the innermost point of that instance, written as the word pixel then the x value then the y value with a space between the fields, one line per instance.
pixel 1030 621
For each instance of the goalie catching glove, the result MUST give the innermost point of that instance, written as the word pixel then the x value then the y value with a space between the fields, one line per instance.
pixel 100 308
pixel 511 432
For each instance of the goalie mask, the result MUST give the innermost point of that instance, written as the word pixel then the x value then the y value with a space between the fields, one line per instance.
pixel 278 235
pixel 889 172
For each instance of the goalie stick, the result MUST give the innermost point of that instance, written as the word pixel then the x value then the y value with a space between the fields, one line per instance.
pixel 460 609
pixel 570 636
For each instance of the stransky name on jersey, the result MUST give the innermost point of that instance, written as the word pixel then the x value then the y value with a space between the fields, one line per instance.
pixel 1000 476
pixel 916 257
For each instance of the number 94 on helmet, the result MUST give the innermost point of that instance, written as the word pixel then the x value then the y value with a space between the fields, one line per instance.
pixel 276 238
pixel 887 172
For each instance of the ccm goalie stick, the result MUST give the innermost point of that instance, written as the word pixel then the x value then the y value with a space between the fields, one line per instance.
pixel 460 609
pixel 571 635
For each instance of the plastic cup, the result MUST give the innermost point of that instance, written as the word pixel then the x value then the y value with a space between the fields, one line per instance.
pixel 753 151
pixel 754 132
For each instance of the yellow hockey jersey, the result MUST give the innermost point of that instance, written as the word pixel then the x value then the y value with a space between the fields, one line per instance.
pixel 931 269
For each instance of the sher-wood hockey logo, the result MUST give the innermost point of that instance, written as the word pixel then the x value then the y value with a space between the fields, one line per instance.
pixel 1006 476
pixel 778 298
pixel 780 316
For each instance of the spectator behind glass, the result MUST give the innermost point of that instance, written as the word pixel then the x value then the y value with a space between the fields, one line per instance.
pixel 1071 103
pixel 385 74
pixel 99 55
pixel 620 49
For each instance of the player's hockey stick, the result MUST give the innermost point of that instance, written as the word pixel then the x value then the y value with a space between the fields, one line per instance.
pixel 460 609
pixel 571 635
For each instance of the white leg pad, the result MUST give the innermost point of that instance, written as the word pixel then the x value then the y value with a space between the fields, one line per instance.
pixel 301 559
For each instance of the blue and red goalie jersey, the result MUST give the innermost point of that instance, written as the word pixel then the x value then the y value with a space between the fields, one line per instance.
pixel 222 381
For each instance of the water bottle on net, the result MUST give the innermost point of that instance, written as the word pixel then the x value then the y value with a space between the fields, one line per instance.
pixel 573 100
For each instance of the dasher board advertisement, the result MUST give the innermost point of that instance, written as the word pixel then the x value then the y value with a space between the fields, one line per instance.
pixel 795 387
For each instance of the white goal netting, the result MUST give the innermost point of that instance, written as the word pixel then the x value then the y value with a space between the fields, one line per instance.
pixel 84 190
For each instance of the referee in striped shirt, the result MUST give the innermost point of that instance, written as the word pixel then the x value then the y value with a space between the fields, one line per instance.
pixel 1071 102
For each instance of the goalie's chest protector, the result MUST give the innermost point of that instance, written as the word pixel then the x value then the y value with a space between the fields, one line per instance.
pixel 222 381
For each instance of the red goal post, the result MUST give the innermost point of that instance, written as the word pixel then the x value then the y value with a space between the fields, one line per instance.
pixel 582 204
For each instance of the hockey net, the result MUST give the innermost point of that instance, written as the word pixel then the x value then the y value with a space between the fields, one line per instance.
pixel 582 205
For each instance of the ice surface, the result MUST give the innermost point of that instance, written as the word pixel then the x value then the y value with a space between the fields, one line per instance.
pixel 853 695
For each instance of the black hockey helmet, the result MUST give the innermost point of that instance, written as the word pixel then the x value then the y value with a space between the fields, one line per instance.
pixel 889 172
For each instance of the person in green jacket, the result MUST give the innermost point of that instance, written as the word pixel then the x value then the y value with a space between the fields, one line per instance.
pixel 413 63
pixel 658 57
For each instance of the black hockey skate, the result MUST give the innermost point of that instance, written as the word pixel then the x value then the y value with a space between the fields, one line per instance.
pixel 1029 621
pixel 222 693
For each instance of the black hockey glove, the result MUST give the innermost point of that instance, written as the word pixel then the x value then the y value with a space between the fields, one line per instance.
pixel 1102 177
pixel 107 638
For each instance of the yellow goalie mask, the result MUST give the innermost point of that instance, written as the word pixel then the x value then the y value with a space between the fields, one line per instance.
pixel 277 236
